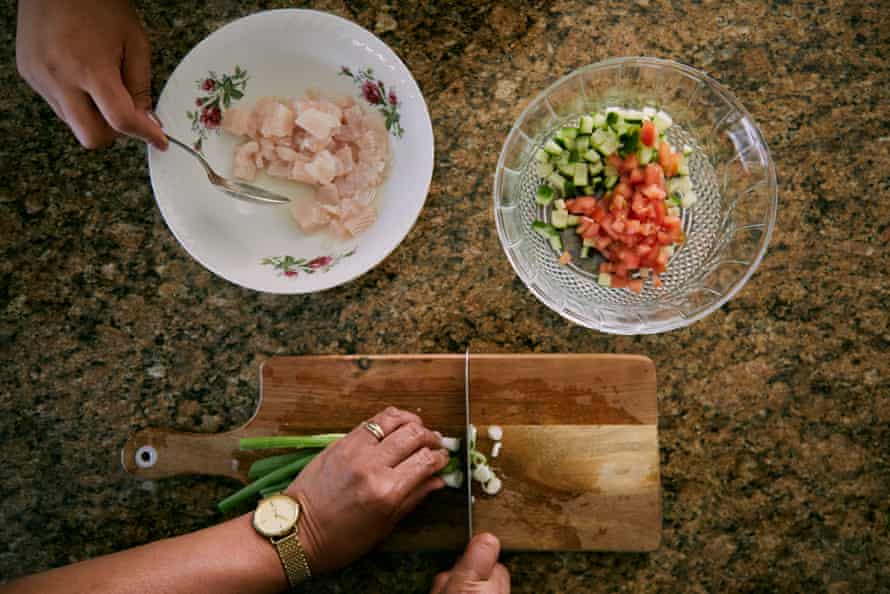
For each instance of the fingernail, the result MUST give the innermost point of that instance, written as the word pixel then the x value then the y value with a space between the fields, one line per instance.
pixel 151 114
pixel 437 434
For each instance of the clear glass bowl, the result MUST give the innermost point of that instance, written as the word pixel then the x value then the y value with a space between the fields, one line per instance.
pixel 727 230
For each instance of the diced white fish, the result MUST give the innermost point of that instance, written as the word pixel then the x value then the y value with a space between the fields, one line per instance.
pixel 327 194
pixel 309 215
pixel 235 120
pixel 246 155
pixel 286 153
pixel 323 168
pixel 278 120
pixel 318 123
pixel 279 168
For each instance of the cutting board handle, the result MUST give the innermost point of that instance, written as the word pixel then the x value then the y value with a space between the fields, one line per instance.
pixel 159 453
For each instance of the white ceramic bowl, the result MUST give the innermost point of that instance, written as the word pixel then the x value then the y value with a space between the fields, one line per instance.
pixel 285 53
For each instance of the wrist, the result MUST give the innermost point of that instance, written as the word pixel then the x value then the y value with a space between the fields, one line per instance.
pixel 307 530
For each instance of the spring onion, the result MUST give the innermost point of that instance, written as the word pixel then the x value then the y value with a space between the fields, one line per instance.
pixel 495 432
pixel 289 441
pixel 276 477
pixel 496 449
pixel 452 444
pixel 264 466
pixel 274 489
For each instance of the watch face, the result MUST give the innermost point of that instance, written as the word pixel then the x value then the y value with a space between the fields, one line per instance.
pixel 276 515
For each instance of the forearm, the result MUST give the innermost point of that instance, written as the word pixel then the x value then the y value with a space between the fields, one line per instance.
pixel 228 558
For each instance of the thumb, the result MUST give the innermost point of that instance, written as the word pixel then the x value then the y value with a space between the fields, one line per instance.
pixel 136 76
pixel 479 560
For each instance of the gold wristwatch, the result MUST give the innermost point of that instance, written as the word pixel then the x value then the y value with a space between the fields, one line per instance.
pixel 276 518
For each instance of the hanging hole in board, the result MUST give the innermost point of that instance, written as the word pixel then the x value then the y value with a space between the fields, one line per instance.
pixel 146 456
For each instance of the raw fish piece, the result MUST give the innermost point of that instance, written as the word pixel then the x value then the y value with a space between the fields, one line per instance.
pixel 356 217
pixel 235 120
pixel 322 168
pixel 279 168
pixel 278 120
pixel 318 123
pixel 246 157
pixel 327 194
pixel 309 215
pixel 286 153
pixel 298 171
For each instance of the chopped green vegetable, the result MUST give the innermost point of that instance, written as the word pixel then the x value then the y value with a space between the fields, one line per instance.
pixel 289 441
pixel 586 124
pixel 544 195
pixel 612 119
pixel 552 148
pixel 264 466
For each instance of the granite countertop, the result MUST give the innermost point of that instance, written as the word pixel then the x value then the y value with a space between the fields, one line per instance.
pixel 775 410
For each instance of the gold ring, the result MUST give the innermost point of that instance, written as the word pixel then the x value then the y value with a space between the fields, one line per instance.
pixel 375 429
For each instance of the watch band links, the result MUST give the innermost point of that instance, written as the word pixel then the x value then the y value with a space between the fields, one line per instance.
pixel 293 558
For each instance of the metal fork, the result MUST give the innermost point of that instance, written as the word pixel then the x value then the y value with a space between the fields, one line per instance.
pixel 235 189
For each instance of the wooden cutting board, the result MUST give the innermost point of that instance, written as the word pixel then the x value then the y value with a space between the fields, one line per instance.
pixel 580 461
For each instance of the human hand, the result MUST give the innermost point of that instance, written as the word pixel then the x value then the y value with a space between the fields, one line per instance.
pixel 477 572
pixel 357 489
pixel 91 61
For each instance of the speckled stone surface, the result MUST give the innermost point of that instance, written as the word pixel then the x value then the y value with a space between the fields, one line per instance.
pixel 775 410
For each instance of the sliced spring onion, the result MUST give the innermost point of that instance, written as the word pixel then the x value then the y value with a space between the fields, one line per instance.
pixel 454 479
pixel 286 472
pixel 452 444
pixel 482 474
pixel 496 449
pixel 264 466
pixel 493 486
pixel 495 432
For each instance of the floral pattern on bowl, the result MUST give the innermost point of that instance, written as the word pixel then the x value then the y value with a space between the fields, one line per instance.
pixel 290 266
pixel 375 93
pixel 218 94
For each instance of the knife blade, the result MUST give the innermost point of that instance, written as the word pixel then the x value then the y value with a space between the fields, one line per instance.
pixel 467 435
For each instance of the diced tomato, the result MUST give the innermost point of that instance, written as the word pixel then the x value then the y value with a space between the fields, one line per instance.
pixel 606 268
pixel 665 238
pixel 672 223
pixel 637 176
pixel 619 202
pixel 660 211
pixel 631 162
pixel 654 192
pixel 632 227
pixel 592 231
pixel 639 204
pixel 643 249
pixel 635 285
pixel 620 270
pixel 618 226
pixel 648 133
pixel 618 282
pixel 668 159
pixel 630 259
pixel 624 189
pixel 656 281
pixel 647 229
pixel 654 175
pixel 598 214
pixel 602 242
pixel 582 205
pixel 662 257
pixel 615 161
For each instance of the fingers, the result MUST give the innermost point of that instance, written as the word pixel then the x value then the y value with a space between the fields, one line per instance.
pixel 418 468
pixel 118 108
pixel 406 440
pixel 500 578
pixel 440 582
pixel 136 75
pixel 88 125
pixel 416 496
pixel 389 420
pixel 480 558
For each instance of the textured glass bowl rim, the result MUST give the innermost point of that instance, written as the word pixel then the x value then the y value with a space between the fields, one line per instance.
pixel 678 321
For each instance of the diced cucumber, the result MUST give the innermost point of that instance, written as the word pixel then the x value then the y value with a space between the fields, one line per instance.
pixel 545 169
pixel 679 184
pixel 545 230
pixel 611 180
pixel 563 158
pixel 585 252
pixel 586 124
pixel 574 157
pixel 630 141
pixel 610 171
pixel 645 154
pixel 673 211
pixel 589 242
pixel 649 112
pixel 604 279
pixel 573 220
pixel 570 187
pixel 689 199
pixel 683 167
pixel 605 141
pixel 582 143
pixel 567 133
pixel 662 121
pixel 612 119
pixel 544 195
pixel 541 156
pixel 559 218
pixel 592 156
pixel 589 190
pixel 596 168
pixel 632 116
pixel 580 174
pixel 599 120
pixel 558 183
pixel 687 150
pixel 559 203
pixel 567 169
pixel 551 147
pixel 556 243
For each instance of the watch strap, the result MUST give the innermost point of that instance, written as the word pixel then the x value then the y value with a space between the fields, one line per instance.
pixel 293 558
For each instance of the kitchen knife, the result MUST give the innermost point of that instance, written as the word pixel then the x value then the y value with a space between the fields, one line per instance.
pixel 468 470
